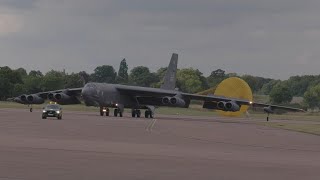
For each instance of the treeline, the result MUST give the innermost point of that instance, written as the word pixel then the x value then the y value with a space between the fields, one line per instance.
pixel 14 82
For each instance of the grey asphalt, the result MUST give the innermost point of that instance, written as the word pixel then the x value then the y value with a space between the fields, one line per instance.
pixel 86 146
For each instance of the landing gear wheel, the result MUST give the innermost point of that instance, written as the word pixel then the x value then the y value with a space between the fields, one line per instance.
pixel 138 113
pixel 101 111
pixel 133 113
pixel 146 114
pixel 115 112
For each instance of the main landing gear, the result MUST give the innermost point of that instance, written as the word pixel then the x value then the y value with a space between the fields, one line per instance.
pixel 137 113
pixel 30 107
pixel 116 112
pixel 148 114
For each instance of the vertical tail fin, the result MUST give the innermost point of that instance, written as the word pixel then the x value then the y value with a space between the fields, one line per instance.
pixel 169 81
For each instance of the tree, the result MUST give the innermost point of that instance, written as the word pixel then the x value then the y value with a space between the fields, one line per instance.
pixel 189 80
pixel 34 73
pixel 8 78
pixel 123 76
pixel 141 76
pixel 267 87
pixel 216 77
pixel 73 81
pixel 22 72
pixel 281 94
pixel 53 80
pixel 312 97
pixel 255 83
pixel 104 74
pixel 85 77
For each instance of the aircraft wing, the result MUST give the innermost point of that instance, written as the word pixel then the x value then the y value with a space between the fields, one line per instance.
pixel 239 102
pixel 144 91
pixel 73 92
pixel 38 98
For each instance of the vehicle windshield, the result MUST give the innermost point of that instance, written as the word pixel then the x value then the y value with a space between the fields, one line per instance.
pixel 52 106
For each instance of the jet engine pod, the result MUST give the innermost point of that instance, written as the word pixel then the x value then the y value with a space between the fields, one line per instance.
pixel 61 97
pixel 234 88
pixel 232 106
pixel 165 100
pixel 177 102
pixel 65 99
pixel 221 105
pixel 23 98
pixel 51 97
pixel 34 99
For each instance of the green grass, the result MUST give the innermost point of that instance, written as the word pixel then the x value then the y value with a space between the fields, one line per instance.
pixel 299 127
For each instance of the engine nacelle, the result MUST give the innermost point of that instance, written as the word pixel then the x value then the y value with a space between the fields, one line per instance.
pixel 21 99
pixel 64 99
pixel 34 99
pixel 51 97
pixel 177 102
pixel 61 97
pixel 166 100
pixel 232 106
pixel 268 110
pixel 228 106
pixel 221 105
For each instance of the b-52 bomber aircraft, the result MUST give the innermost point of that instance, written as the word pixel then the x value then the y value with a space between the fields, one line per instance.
pixel 118 97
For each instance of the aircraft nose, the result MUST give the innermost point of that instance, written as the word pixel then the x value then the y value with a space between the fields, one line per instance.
pixel 86 91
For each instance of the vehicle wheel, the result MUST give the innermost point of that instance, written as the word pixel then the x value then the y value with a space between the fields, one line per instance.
pixel 146 114
pixel 31 109
pixel 115 112
pixel 120 113
pixel 107 113
pixel 151 115
pixel 44 117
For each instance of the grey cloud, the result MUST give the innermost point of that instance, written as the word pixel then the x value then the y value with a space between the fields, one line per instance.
pixel 274 38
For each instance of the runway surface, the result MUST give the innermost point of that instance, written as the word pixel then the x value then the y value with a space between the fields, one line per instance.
pixel 86 146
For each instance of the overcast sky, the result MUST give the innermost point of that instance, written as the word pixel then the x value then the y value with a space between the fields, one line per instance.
pixel 269 38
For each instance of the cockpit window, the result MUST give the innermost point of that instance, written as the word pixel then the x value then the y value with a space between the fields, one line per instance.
pixel 91 86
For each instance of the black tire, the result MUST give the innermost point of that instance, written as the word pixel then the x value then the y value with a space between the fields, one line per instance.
pixel 115 112
pixel 138 113
pixel 107 113
pixel 151 115
pixel 31 109
pixel 101 113
pixel 133 113
pixel 44 117
pixel 59 117
pixel 146 114
pixel 120 113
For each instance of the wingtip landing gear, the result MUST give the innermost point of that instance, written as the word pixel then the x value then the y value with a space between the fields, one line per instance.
pixel 30 107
